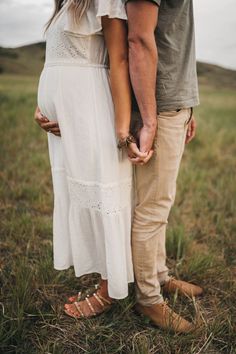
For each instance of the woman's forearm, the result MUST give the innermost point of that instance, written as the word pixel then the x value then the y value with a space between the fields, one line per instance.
pixel 115 33
pixel 121 94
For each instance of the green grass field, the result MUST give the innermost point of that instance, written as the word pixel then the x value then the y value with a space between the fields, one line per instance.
pixel 201 241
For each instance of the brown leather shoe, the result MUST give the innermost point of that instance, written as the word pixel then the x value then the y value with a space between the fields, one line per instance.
pixel 163 316
pixel 182 287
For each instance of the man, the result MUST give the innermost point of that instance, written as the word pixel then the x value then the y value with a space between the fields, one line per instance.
pixel 168 86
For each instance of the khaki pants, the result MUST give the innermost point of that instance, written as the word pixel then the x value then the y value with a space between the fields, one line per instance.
pixel 155 194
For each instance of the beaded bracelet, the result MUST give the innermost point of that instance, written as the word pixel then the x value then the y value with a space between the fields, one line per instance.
pixel 126 141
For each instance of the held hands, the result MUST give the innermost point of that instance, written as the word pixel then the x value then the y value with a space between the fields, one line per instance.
pixel 146 137
pixel 136 156
pixel 48 125
pixel 142 154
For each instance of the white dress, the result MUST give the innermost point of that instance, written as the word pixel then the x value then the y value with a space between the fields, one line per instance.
pixel 92 180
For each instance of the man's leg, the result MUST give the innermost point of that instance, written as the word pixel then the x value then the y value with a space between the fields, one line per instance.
pixel 155 188
pixel 162 269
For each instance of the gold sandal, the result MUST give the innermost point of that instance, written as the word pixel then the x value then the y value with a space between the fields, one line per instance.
pixel 103 302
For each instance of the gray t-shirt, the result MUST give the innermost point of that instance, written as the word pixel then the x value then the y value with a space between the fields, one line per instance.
pixel 177 85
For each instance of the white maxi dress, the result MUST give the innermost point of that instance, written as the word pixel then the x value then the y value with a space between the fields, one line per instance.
pixel 92 180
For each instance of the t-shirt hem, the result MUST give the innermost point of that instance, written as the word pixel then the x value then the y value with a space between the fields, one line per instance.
pixel 162 107
pixel 157 2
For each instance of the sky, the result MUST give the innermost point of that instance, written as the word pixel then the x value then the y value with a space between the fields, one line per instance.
pixel 22 22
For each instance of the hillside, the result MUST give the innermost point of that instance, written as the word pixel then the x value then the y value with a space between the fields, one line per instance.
pixel 216 76
pixel 28 60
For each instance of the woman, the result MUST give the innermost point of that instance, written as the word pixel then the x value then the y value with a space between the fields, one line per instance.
pixel 92 179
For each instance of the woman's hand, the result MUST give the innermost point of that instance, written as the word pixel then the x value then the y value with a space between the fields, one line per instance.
pixel 48 125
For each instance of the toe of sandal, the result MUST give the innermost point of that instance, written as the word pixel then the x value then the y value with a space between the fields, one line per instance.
pixel 78 314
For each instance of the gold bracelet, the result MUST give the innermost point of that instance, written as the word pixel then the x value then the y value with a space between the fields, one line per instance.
pixel 126 141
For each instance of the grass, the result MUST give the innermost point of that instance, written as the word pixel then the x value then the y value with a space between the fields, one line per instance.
pixel 201 242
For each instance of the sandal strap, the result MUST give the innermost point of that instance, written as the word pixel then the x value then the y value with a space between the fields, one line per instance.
pixel 90 306
pixel 79 309
pixel 79 296
pixel 98 299
pixel 103 299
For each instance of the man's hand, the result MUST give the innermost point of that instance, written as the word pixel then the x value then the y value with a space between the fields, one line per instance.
pixel 146 137
pixel 48 125
pixel 191 131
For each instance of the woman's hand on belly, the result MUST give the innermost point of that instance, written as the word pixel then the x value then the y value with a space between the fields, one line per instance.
pixel 49 126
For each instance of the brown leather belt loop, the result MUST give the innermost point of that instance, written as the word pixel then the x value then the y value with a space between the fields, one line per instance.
pixel 191 113
pixel 190 117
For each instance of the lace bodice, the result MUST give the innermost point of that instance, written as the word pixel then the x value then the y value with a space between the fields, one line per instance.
pixel 82 43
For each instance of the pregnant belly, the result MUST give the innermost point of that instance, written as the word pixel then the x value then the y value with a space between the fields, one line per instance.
pixel 47 93
pixel 66 93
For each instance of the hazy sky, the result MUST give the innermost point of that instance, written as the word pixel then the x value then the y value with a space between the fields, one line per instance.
pixel 22 21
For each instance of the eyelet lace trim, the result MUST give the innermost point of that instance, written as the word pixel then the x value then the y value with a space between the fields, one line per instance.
pixel 106 198
pixel 65 47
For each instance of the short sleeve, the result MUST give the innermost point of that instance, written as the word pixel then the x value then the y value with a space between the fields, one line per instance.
pixel 91 22
pixel 158 2
pixel 111 8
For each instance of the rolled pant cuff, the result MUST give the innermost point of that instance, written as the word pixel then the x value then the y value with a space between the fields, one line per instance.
pixel 151 302
pixel 164 279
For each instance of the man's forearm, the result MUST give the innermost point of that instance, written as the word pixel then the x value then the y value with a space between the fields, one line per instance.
pixel 143 61
pixel 142 22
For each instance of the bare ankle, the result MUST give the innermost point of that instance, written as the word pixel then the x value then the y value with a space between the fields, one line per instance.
pixel 104 288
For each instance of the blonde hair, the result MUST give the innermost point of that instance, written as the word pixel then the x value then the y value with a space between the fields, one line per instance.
pixel 75 7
